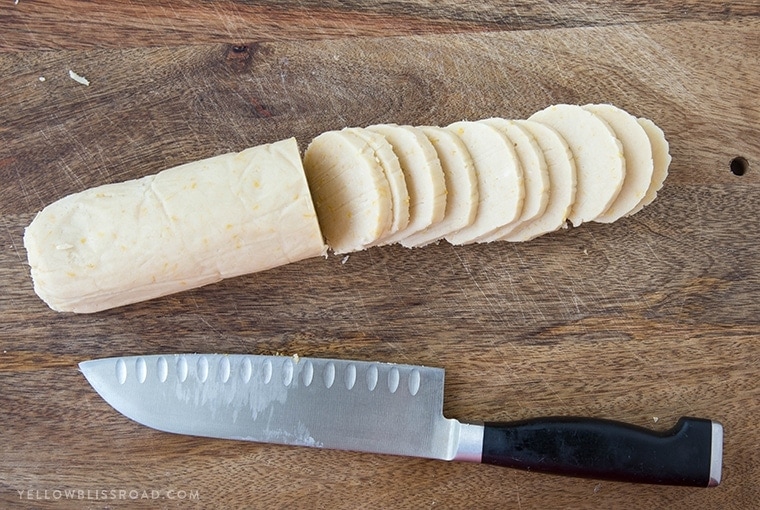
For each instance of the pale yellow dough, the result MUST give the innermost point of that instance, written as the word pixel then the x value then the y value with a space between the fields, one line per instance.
pixel 239 213
pixel 396 181
pixel 661 156
pixel 422 170
pixel 500 180
pixel 352 196
pixel 182 228
pixel 562 183
pixel 535 175
pixel 598 154
pixel 461 187
pixel 637 151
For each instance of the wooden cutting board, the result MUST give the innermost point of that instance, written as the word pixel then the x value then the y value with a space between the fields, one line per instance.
pixel 644 320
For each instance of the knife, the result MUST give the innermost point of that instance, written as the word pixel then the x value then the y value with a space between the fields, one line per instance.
pixel 388 408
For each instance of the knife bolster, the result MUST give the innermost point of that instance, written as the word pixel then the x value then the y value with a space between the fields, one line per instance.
pixel 469 445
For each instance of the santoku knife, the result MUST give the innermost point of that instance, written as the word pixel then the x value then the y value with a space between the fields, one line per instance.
pixel 391 409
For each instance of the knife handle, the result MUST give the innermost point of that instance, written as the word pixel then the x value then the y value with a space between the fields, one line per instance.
pixel 689 454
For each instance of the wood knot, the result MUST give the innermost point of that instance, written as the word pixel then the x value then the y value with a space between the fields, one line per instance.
pixel 239 56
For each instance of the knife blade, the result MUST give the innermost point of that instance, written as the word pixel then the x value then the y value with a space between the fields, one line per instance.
pixel 388 408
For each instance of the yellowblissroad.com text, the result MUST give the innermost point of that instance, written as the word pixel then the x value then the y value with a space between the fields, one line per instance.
pixel 133 494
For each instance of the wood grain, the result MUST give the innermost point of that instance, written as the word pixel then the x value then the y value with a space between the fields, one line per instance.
pixel 644 320
pixel 78 24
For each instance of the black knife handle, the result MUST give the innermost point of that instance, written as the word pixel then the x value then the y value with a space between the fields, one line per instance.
pixel 609 450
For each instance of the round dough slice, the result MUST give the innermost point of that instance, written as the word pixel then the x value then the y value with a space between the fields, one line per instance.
pixel 395 176
pixel 562 179
pixel 637 151
pixel 535 175
pixel 661 156
pixel 598 154
pixel 461 186
pixel 351 194
pixel 500 180
pixel 424 177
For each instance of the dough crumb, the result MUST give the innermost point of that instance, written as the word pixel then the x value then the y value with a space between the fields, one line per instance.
pixel 79 79
pixel 344 259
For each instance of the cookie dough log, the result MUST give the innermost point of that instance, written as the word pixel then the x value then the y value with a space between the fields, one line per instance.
pixel 182 228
